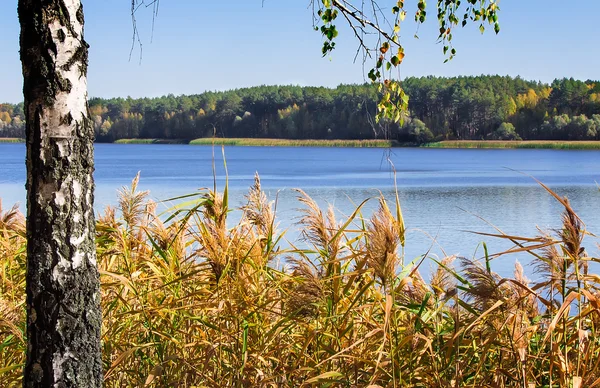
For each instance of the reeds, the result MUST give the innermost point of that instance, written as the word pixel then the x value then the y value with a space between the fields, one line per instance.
pixel 377 143
pixel 12 294
pixel 537 144
pixel 151 141
pixel 189 300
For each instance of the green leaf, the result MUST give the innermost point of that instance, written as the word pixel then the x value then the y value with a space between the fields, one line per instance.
pixel 347 223
pixel 371 75
pixel 399 217
pixel 226 189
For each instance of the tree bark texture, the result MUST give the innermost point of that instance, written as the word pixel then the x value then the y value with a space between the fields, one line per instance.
pixel 63 295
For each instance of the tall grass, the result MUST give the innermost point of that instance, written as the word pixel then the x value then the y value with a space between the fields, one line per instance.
pixel 536 144
pixel 189 301
pixel 296 143
pixel 11 140
pixel 151 141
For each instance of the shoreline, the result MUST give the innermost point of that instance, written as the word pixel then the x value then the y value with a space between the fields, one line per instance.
pixel 251 142
pixel 147 141
pixel 379 143
pixel 516 144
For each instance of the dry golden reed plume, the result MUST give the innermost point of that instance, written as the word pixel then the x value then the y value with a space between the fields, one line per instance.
pixel 192 299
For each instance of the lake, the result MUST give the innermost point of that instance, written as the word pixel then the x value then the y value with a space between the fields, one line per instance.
pixel 444 192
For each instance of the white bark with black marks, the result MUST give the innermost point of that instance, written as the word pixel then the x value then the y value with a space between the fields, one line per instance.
pixel 63 296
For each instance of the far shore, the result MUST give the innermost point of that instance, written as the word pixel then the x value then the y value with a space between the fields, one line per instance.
pixel 11 140
pixel 151 141
pixel 511 144
pixel 379 143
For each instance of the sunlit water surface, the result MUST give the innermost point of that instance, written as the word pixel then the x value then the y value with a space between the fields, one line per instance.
pixel 444 193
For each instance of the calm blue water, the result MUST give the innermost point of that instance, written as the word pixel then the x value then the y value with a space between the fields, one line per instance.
pixel 442 191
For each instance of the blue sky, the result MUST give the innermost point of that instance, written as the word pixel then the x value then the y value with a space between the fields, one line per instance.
pixel 216 45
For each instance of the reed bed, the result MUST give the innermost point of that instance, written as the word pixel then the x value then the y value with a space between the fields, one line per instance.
pixel 189 301
pixel 377 143
pixel 536 144
pixel 11 140
pixel 150 141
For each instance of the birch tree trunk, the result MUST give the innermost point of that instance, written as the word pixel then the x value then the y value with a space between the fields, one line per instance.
pixel 63 298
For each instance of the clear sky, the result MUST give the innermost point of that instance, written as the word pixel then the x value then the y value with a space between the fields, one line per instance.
pixel 216 45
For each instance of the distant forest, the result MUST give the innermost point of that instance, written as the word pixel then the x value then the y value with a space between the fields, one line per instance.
pixel 459 108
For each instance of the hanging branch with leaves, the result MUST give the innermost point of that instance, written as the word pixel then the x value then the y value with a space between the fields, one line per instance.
pixel 368 19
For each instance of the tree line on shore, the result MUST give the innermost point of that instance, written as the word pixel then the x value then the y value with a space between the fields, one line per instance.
pixel 457 108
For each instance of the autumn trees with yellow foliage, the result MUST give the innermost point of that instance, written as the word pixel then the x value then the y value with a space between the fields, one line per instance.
pixel 464 108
